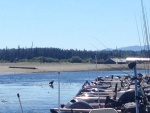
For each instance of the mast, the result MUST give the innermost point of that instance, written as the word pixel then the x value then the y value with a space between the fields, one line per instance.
pixel 59 91
pixel 97 79
pixel 132 65
pixel 146 29
pixel 145 25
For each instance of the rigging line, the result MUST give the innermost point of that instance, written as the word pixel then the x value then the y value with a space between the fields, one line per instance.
pixel 138 35
pixel 145 64
pixel 144 43
pixel 109 50
pixel 145 24
pixel 111 66
pixel 95 47
pixel 144 38
pixel 146 27
pixel 148 65
pixel 140 42
pixel 103 44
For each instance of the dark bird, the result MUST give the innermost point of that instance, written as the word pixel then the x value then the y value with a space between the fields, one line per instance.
pixel 51 82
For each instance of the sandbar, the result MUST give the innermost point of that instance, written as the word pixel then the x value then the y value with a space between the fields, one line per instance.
pixel 27 67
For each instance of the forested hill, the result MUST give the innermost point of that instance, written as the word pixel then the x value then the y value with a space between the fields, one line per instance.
pixel 61 55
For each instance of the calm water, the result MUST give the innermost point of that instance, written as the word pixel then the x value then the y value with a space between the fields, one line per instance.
pixel 35 93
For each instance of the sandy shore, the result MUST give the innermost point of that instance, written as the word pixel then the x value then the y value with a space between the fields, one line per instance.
pixel 7 68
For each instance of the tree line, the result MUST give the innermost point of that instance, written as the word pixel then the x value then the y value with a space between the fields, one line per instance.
pixel 63 55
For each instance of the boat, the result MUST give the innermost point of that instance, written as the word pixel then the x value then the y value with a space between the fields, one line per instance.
pixel 105 100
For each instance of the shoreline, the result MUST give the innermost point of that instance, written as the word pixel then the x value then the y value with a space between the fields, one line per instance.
pixel 26 67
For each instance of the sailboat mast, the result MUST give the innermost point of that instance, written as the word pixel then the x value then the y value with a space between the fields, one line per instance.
pixel 132 65
pixel 59 91
pixel 145 26
pixel 146 29
pixel 97 78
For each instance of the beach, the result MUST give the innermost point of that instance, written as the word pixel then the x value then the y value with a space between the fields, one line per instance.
pixel 26 67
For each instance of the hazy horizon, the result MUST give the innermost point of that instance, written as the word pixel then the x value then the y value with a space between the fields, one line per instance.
pixel 79 49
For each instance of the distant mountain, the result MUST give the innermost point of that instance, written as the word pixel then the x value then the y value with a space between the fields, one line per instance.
pixel 133 48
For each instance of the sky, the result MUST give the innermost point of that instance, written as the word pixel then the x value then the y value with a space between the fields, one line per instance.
pixel 71 24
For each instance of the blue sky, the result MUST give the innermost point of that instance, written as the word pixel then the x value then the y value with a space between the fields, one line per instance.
pixel 70 24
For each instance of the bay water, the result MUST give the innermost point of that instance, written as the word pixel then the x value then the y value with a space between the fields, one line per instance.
pixel 36 96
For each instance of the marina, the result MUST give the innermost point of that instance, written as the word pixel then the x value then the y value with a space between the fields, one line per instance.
pixel 35 93
pixel 132 95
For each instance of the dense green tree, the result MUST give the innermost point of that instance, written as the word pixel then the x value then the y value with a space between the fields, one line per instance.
pixel 76 59
pixel 57 55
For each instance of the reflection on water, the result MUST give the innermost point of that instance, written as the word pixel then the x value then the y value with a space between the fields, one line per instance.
pixel 36 94
pixel 52 86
